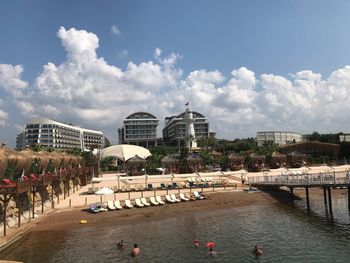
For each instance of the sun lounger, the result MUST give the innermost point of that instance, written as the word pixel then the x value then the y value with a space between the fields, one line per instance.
pixel 144 202
pixel 110 205
pixel 191 197
pixel 159 200
pixel 169 199
pixel 153 201
pixel 174 198
pixel 90 190
pixel 183 197
pixel 141 187
pixel 101 207
pixel 138 203
pixel 162 186
pixel 150 187
pixel 128 203
pixel 94 209
pixel 117 205
pixel 175 185
pixel 189 179
pixel 198 196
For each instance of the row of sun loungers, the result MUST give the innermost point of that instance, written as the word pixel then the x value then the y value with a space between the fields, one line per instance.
pixel 143 202
pixel 199 179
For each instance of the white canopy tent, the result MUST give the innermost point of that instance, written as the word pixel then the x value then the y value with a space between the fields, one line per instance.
pixel 125 152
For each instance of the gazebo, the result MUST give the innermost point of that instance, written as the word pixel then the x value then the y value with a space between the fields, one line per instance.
pixel 236 161
pixel 296 160
pixel 258 162
pixel 278 160
pixel 136 165
pixel 170 163
pixel 194 163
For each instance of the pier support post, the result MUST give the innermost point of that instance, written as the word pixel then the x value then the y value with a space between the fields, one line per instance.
pixel 330 201
pixel 349 197
pixel 325 196
pixel 307 198
pixel 291 194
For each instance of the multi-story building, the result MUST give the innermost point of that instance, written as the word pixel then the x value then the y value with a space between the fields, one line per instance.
pixel 139 128
pixel 57 135
pixel 278 137
pixel 174 131
pixel 344 137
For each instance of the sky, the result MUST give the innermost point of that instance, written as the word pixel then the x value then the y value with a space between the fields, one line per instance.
pixel 247 65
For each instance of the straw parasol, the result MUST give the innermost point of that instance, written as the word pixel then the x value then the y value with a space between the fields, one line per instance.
pixel 3 161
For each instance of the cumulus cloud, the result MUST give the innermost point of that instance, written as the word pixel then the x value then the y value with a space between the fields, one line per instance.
pixel 3 118
pixel 115 30
pixel 85 89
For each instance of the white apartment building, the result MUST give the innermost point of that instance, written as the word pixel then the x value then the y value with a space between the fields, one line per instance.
pixel 57 135
pixel 278 137
pixel 344 137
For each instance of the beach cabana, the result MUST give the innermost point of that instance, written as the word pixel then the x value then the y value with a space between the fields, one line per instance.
pixel 278 160
pixel 236 161
pixel 136 165
pixel 170 163
pixel 194 163
pixel 258 162
pixel 296 160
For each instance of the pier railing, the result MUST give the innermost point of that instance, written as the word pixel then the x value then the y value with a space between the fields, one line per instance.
pixel 302 179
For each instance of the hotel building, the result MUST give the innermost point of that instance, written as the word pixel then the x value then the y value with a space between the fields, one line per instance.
pixel 57 135
pixel 174 131
pixel 278 137
pixel 139 128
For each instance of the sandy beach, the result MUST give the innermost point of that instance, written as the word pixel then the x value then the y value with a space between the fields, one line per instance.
pixel 63 219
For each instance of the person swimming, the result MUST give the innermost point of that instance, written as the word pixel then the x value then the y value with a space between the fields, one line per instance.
pixel 211 252
pixel 120 244
pixel 135 251
pixel 196 243
pixel 258 251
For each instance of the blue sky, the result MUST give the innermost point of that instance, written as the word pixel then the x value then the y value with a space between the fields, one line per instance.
pixel 246 65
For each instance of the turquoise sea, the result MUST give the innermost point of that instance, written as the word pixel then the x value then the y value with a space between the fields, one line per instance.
pixel 286 233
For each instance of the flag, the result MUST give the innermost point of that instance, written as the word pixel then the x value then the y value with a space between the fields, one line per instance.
pixel 186 104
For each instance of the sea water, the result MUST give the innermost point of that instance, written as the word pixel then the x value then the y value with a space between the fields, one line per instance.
pixel 286 233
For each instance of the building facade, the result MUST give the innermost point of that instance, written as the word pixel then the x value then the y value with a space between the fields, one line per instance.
pixel 57 135
pixel 139 128
pixel 174 131
pixel 278 137
pixel 344 137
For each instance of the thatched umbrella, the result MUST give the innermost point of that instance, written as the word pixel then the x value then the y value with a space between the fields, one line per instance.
pixel 66 160
pixel 236 161
pixel 194 162
pixel 3 161
pixel 44 159
pixel 30 156
pixel 278 159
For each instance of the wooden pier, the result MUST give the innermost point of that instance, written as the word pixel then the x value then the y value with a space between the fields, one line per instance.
pixel 327 181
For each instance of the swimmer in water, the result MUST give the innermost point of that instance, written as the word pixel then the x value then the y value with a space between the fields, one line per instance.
pixel 258 251
pixel 196 243
pixel 135 251
pixel 211 252
pixel 120 244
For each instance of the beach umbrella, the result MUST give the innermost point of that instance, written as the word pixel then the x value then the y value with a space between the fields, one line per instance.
pixel 104 191
pixel 125 152
pixel 210 244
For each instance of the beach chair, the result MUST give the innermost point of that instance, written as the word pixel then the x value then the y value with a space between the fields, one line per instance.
pixel 175 186
pixel 101 207
pixel 138 203
pixel 191 197
pixel 117 205
pixel 136 187
pixel 144 202
pixel 159 200
pixel 115 188
pixel 198 196
pixel 123 188
pixel 183 197
pixel 94 209
pixel 141 187
pixel 175 198
pixel 169 200
pixel 189 179
pixel 150 187
pixel 162 186
pixel 110 205
pixel 90 190
pixel 193 179
pixel 128 203
pixel 153 201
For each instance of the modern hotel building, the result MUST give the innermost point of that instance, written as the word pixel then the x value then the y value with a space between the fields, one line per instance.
pixel 139 128
pixel 58 135
pixel 174 131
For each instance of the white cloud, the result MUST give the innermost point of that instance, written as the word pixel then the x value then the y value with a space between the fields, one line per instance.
pixel 3 118
pixel 123 54
pixel 115 30
pixel 86 90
